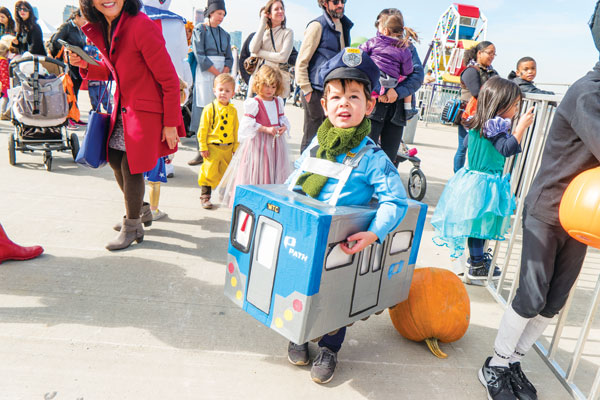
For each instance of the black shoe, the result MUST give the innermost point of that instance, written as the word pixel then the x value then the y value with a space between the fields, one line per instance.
pixel 298 353
pixel 496 381
pixel 410 113
pixel 481 269
pixel 323 366
pixel 522 387
pixel 196 160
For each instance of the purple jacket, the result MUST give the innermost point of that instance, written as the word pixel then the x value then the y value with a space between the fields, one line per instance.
pixel 394 61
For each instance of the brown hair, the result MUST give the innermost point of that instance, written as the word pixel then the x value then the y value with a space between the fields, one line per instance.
pixel 344 83
pixel 3 50
pixel 224 79
pixel 394 23
pixel 10 26
pixel 267 8
pixel 92 15
pixel 496 97
pixel 31 21
pixel 270 76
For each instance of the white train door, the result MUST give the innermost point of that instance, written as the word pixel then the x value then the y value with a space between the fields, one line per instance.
pixel 367 282
pixel 264 263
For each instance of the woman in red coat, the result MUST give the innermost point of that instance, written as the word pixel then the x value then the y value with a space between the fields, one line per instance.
pixel 146 122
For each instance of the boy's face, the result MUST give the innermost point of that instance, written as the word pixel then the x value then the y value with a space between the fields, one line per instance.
pixel 527 71
pixel 346 108
pixel 223 92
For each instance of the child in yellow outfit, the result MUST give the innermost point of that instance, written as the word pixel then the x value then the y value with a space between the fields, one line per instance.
pixel 218 137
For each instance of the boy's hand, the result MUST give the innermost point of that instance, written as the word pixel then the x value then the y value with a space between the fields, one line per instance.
pixel 526 119
pixel 205 153
pixel 362 239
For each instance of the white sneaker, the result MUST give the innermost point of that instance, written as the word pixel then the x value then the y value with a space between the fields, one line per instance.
pixel 157 214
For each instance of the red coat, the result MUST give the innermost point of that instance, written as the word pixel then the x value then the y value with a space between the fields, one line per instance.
pixel 147 86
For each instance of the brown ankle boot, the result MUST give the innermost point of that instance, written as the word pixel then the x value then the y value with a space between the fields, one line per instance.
pixel 131 231
pixel 145 214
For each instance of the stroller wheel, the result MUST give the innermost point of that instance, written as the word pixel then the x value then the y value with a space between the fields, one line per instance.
pixel 47 157
pixel 417 184
pixel 74 145
pixel 12 151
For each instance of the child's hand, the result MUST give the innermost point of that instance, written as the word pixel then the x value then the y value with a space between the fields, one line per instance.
pixel 382 98
pixel 205 153
pixel 271 130
pixel 526 119
pixel 362 239
pixel 281 130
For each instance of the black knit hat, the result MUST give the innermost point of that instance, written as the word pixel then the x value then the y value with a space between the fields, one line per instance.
pixel 214 5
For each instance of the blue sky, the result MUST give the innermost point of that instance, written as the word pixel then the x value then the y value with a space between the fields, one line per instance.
pixel 554 32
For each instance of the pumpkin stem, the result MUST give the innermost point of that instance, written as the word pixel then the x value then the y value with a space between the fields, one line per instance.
pixel 434 346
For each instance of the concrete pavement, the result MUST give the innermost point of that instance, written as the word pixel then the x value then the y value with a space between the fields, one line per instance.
pixel 151 322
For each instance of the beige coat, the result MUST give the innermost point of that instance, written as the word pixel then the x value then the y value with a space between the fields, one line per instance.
pixel 261 46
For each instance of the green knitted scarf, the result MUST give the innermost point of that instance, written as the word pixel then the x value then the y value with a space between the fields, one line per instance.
pixel 332 142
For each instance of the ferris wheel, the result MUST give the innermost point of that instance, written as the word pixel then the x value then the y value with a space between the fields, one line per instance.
pixel 459 28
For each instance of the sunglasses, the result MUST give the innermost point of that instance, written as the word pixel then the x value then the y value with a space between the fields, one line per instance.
pixel 23 9
pixel 336 2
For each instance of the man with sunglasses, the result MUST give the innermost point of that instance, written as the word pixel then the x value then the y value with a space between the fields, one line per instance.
pixel 324 37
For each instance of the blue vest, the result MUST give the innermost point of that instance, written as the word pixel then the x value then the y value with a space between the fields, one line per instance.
pixel 329 46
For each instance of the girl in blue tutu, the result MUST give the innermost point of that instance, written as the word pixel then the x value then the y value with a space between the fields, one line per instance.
pixel 477 202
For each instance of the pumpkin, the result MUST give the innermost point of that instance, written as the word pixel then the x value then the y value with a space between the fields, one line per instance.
pixel 579 211
pixel 437 308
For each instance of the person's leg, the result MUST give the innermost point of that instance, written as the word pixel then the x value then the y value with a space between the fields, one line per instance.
pixel 391 137
pixel 77 81
pixel 94 96
pixel 461 152
pixel 205 194
pixel 133 189
pixel 194 125
pixel 115 158
pixel 325 362
pixel 313 117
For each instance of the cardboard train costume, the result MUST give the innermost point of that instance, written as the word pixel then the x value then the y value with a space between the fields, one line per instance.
pixel 285 263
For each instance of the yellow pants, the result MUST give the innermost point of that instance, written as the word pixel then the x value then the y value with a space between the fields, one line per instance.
pixel 214 166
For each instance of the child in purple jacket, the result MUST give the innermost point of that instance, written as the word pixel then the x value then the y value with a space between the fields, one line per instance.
pixel 389 50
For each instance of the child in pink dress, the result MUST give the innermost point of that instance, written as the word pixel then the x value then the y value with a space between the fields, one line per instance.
pixel 263 154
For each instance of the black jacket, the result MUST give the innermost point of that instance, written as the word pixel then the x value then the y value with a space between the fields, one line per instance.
pixel 70 33
pixel 31 41
pixel 528 87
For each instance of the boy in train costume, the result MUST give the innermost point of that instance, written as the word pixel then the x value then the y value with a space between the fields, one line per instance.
pixel 173 29
pixel 318 282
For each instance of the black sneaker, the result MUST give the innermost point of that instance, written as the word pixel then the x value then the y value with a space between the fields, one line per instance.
pixel 481 269
pixel 522 387
pixel 496 381
pixel 298 353
pixel 323 366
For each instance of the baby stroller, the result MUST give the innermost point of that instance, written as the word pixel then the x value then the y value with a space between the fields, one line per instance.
pixel 39 109
pixel 417 184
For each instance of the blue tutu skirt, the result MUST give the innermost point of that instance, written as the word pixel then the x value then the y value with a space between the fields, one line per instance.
pixel 473 204
pixel 158 173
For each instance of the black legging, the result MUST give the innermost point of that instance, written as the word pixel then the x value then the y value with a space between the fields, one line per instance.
pixel 132 185
pixel 385 133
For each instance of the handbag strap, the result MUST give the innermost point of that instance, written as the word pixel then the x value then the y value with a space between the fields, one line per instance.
pixel 272 40
pixel 106 87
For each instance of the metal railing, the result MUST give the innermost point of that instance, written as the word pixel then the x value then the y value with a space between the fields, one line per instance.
pixel 431 99
pixel 523 168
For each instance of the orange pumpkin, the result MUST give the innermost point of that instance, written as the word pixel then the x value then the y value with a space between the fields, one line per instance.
pixel 579 210
pixel 437 308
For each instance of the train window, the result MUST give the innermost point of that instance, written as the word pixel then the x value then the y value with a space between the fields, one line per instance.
pixel 268 238
pixel 336 258
pixel 377 256
pixel 243 225
pixel 401 242
pixel 365 260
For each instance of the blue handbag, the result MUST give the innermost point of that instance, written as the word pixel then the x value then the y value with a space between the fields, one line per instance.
pixel 92 152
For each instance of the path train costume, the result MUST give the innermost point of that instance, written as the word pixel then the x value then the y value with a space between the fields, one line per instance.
pixel 286 268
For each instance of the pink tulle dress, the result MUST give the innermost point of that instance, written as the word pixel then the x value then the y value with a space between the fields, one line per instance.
pixel 261 158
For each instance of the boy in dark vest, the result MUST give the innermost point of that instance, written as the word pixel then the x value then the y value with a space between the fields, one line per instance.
pixel 324 37
pixel 348 80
